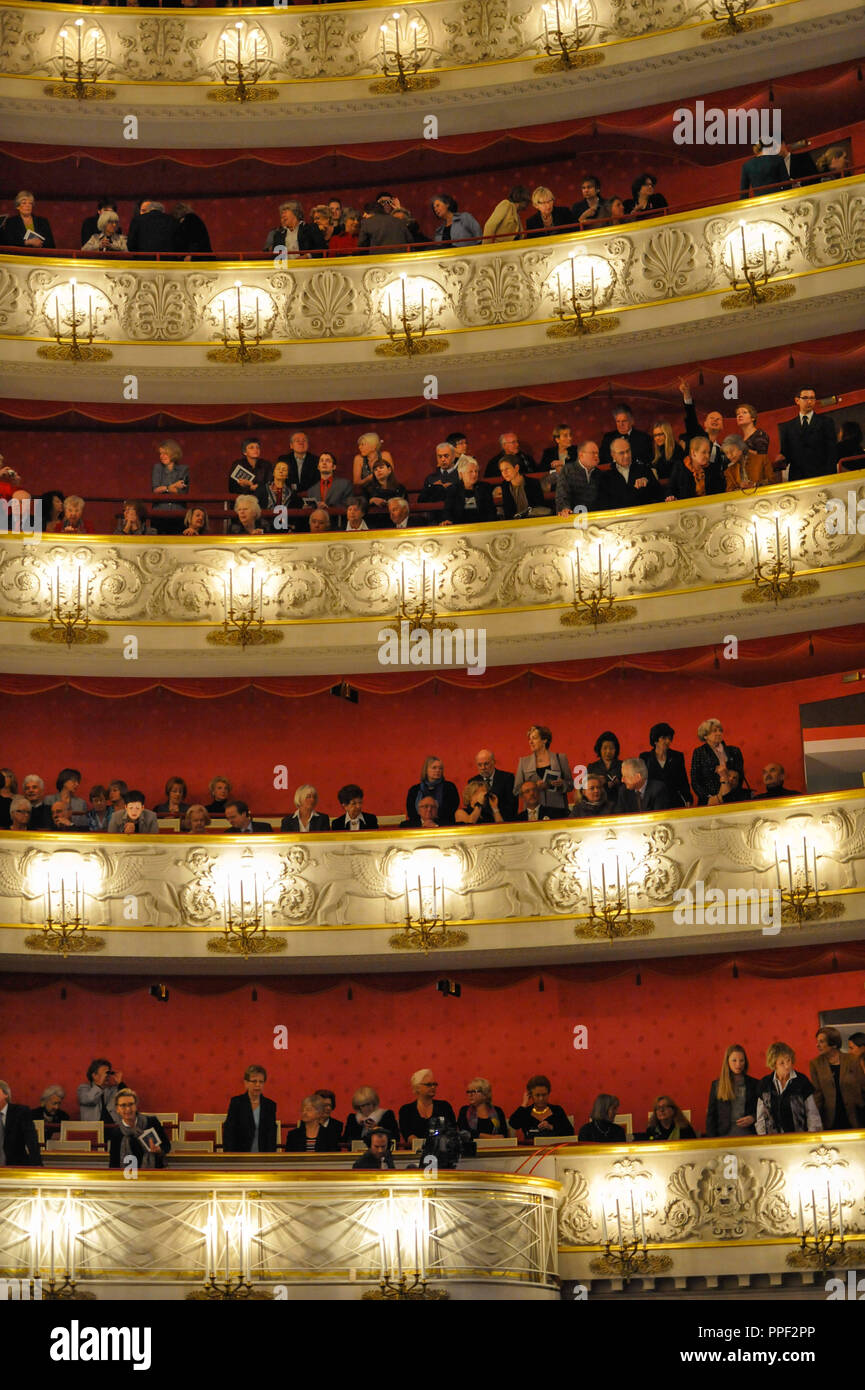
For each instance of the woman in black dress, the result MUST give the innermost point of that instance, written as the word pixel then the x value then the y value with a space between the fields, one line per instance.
pixel 712 755
pixel 668 1123
pixel 23 228
pixel 367 1115
pixel 602 1127
pixel 667 765
pixel 479 1116
pixel 415 1115
pixel 311 1136
pixel 536 1117
pixel 644 201
pixel 608 763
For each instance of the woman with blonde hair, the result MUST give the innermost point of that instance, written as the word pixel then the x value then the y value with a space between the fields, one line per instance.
pixel 667 450
pixel 369 453
pixel 668 1124
pixel 548 216
pixel 732 1108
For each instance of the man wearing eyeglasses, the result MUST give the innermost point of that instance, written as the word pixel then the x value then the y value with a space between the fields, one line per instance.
pixel 807 442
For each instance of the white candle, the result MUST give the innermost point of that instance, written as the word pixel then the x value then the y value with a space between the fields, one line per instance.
pixel 619 1220
pixel 814 1209
pixel 227 1252
pixel 801 1217
pixel 642 1222
pixel 790 866
pixel 756 549
pixel 604 1222
pixel 52 1254
pixel 398 1258
pixel 57 313
pixel 633 1215
pixel 778 877
pixel 383 27
pixel 744 252
pixel 840 1215
pixel 70 1268
pixel 600 571
pixel 407 911
pixel 384 1268
pixel 805 860
pixel 591 891
pixel 777 541
pixel 49 900
pixel 604 890
pixel 593 290
pixel 765 264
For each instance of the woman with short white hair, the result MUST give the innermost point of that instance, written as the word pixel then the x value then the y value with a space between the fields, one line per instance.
pixel 713 758
pixel 415 1115
pixel 311 1135
pixel 247 516
pixel 49 1112
pixel 306 819
pixel 369 453
pixel 368 1114
pixel 479 1116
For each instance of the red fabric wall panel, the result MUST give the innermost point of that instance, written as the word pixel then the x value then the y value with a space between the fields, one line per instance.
pixel 326 741
pixel 188 1054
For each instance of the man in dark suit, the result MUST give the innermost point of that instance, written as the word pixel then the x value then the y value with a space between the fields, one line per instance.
pixel 19 1145
pixel 762 173
pixel 642 450
pixel 798 163
pixel 531 796
pixel 152 229
pixel 435 484
pixel 510 448
pixel 354 817
pixel 582 484
pixel 302 465
pixel 240 821
pixel 637 794
pixel 380 230
pixel 807 443
pixel 712 428
pixel 773 781
pixel 294 236
pixel 239 1132
pixel 499 783
pixel 629 484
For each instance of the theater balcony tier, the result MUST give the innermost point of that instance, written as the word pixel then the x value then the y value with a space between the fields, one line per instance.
pixel 585 304
pixel 667 883
pixel 318 74
pixel 292 1235
pixel 681 574
pixel 689 1214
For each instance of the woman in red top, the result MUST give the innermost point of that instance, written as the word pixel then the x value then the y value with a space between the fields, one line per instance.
pixel 344 243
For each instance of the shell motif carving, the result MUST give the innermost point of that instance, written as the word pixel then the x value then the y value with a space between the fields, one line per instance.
pixel 160 310
pixel 498 293
pixel 326 302
pixel 669 260
pixel 161 49
pixel 843 228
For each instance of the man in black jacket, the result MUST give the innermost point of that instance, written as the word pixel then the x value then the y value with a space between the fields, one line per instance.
pixel 807 442
pixel 531 795
pixel 582 484
pixel 294 237
pixel 763 172
pixel 152 229
pixel 511 448
pixel 240 821
pixel 378 1154
pixel 629 484
pixel 499 783
pixel 712 428
pixel 799 164
pixel 19 1145
pixel 637 794
pixel 773 781
pixel 240 1135
pixel 379 230
pixel 302 464
pixel 435 484
pixel 642 450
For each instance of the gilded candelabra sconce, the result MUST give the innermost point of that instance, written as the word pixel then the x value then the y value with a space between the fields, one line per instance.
pixel 593 599
pixel 245 932
pixel 563 40
pixel 242 328
pixel 243 624
pixel 626 1246
pixel 407 318
pixel 734 18
pixel 775 572
pixel 79 64
pixel 610 902
pixel 69 615
pixel 798 887
pixel 72 316
pixel 401 57
pixel 240 67
pixel 754 273
pixel 577 301
pixel 64 931
pixel 425 927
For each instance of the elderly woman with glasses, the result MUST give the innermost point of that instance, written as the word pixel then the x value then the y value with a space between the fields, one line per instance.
pixel 668 1124
pixel 48 1110
pixel 367 1115
pixel 312 1135
pixel 138 1137
pixel 23 228
pixel 415 1115
pixel 711 758
pixel 479 1116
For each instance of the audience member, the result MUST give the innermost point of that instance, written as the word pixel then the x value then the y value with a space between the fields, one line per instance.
pixel 425 818
pixel 330 490
pixel 137 1137
pixel 746 423
pixel 807 442
pixel 498 782
pixel 520 496
pixel 248 520
pixel 153 230
pixel 415 1115
pixel 667 765
pixel 712 427
pixel 848 447
pixel 479 1117
pixel 72 520
pixel 479 805
pixel 698 475
pixel 116 792
pixel 277 490
pixel 23 228
pixel 381 231
pixel 355 513
pixel 601 1127
pixel 305 819
pixel 531 793
pixel 594 800
pixel 107 236
pixel 220 791
pixel 834 163
pixel 455 226
pixel 369 451
pixel 169 476
pixel 433 783
pixel 90 225
pixel 298 238
pixel 709 757
pixel 67 784
pixel 745 470
pixel 838 1082
pixel 668 1124
pixel 548 216
pixel 240 821
pixel 366 1115
pixel 382 486
pixel 582 485
pixel 19 1145
pixel 99 813
pixel 52 507
pixel 399 513
pixel 133 819
pixel 250 471
pixel 773 781
pixel 608 763
pixel 391 203
pixel 785 1098
pixel 33 791
pixel 133 521
pixel 443 475
pixel 468 500
pixel 799 164
pixel 329 1122
pixel 637 794
pixel 503 223
pixel 196 820
pixel 250 1124
pixel 856 1048
pixel 512 448
pixel 21 816
pixel 319 521
pixel 350 798
pixel 97 1095
pixel 196 522
pixel 562 450
pixel 346 235
pixel 666 452
pixel 49 1112
pixel 302 463
pixel 590 208
pixel 644 201
pixel 764 172
pixel 732 1108
pixel 536 1117
pixel 629 484
pixel 551 770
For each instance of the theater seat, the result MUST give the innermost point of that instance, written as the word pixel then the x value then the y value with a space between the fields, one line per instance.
pixel 68 1146
pixel 91 1130
pixel 192 1146
pixel 627 1123
pixel 204 1129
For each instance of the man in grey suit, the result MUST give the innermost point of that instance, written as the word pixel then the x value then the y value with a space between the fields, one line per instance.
pixel 637 794
pixel 807 442
pixel 330 490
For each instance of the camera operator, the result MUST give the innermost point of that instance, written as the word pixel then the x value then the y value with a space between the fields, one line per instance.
pixel 446 1144
pixel 378 1155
